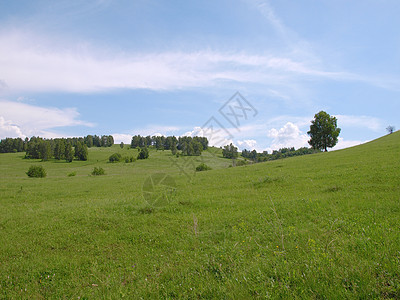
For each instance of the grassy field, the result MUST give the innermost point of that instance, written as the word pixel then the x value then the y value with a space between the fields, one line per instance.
pixel 318 226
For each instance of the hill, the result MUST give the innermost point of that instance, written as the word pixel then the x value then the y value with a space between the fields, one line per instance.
pixel 317 226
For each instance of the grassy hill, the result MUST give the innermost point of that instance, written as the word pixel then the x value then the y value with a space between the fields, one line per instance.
pixel 319 226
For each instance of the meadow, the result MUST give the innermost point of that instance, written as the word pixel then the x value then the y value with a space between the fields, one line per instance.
pixel 320 226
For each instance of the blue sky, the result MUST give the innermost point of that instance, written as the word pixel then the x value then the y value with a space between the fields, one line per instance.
pixel 72 68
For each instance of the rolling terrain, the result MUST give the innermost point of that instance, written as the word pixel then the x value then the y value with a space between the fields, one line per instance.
pixel 324 225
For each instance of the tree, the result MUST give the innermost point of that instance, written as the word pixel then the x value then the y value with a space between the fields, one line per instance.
pixel 174 149
pixel 68 154
pixel 197 147
pixel 81 151
pixel 230 151
pixel 59 150
pixel 45 152
pixel 323 131
pixel 390 129
pixel 89 141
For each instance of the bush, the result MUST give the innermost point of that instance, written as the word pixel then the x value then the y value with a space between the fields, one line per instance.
pixel 129 159
pixel 143 153
pixel 72 174
pixel 98 171
pixel 240 162
pixel 202 167
pixel 36 171
pixel 116 157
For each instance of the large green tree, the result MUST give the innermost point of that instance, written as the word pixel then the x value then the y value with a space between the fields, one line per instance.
pixel 324 132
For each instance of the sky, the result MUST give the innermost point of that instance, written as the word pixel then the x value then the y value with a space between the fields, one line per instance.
pixel 250 72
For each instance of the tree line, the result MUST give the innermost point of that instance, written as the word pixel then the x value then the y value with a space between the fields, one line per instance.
pixel 188 146
pixel 276 154
pixel 10 145
pixel 59 148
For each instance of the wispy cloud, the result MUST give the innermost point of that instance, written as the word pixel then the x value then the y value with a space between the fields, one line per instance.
pixel 33 63
pixel 300 49
pixel 372 123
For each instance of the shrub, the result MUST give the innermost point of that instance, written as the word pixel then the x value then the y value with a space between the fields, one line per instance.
pixel 36 171
pixel 72 174
pixel 116 157
pixel 202 167
pixel 143 153
pixel 98 171
pixel 241 163
pixel 129 159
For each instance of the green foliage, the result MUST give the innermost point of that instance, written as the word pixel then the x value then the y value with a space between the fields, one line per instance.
pixel 69 155
pixel 323 131
pixel 143 153
pixel 98 171
pixel 81 151
pixel 129 159
pixel 174 150
pixel 10 145
pixel 107 140
pixel 116 157
pixel 276 154
pixel 202 167
pixel 230 151
pixel 241 162
pixel 59 149
pixel 72 174
pixel 35 149
pixel 36 171
pixel 45 151
pixel 190 146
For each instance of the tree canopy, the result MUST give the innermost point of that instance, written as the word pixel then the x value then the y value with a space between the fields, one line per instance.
pixel 324 132
pixel 230 151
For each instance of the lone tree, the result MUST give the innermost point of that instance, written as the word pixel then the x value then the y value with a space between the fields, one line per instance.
pixel 390 129
pixel 323 131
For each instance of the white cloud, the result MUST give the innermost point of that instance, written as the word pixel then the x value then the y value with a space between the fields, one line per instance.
pixel 247 144
pixel 120 137
pixel 217 137
pixel 35 120
pixel 8 129
pixel 32 63
pixel 288 136
pixel 371 123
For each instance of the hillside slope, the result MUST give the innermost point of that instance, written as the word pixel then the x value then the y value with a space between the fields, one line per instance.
pixel 317 226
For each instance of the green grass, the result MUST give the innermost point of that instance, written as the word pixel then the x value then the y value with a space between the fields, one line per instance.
pixel 317 226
